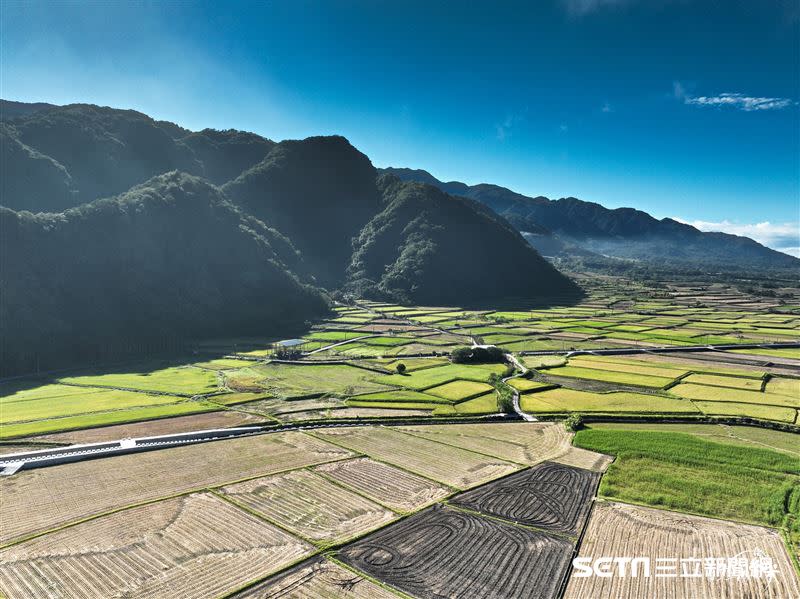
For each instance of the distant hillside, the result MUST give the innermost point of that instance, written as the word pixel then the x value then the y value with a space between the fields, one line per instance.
pixel 169 259
pixel 94 152
pixel 626 233
pixel 428 247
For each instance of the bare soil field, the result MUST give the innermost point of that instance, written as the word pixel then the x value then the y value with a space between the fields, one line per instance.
pixel 442 552
pixel 583 458
pixel 38 500
pixel 317 578
pixel 550 496
pixel 456 467
pixel 199 544
pixel 620 530
pixel 395 488
pixel 523 443
pixel 164 426
pixel 310 505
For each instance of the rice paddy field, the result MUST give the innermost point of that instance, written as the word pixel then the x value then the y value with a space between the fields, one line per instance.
pixel 257 508
pixel 387 361
pixel 421 490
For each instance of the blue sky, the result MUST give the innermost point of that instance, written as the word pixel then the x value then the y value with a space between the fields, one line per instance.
pixel 683 109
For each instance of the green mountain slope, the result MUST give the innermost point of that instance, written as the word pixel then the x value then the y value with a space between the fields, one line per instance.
pixel 429 247
pixel 168 260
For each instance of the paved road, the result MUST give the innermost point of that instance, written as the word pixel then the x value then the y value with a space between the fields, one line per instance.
pixel 522 370
pixel 11 463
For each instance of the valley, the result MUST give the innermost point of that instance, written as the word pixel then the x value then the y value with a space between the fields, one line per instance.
pixel 358 442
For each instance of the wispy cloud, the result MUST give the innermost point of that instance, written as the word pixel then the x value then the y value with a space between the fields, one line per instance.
pixel 606 108
pixel 578 8
pixel 505 129
pixel 784 237
pixel 732 100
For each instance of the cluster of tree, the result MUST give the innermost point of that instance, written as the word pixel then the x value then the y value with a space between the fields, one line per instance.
pixel 169 260
pixel 481 354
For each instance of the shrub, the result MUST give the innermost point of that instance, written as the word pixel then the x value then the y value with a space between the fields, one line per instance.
pixel 401 368
pixel 574 422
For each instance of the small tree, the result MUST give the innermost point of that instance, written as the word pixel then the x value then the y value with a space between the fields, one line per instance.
pixel 401 368
pixel 574 422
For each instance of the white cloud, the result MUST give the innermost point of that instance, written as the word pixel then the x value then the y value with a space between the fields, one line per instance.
pixel 740 101
pixel 606 108
pixel 784 237
pixel 732 100
pixel 504 130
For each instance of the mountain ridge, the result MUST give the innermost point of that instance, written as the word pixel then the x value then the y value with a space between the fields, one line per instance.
pixel 626 233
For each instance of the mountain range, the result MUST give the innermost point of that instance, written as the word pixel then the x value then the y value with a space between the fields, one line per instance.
pixel 570 227
pixel 121 234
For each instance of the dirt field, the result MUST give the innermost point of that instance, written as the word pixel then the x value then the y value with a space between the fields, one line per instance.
pixel 395 488
pixel 550 496
pixel 620 530
pixel 38 500
pixel 442 552
pixel 524 443
pixel 450 465
pixel 583 458
pixel 199 544
pixel 310 505
pixel 164 426
pixel 317 578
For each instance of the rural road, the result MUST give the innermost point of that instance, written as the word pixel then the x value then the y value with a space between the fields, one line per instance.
pixel 517 408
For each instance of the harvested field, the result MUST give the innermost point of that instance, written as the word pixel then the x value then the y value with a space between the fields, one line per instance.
pixel 523 443
pixel 317 578
pixel 389 486
pixel 625 530
pixel 442 552
pixel 453 466
pixel 582 458
pixel 353 412
pixel 310 505
pixel 164 426
pixel 199 544
pixel 550 496
pixel 79 490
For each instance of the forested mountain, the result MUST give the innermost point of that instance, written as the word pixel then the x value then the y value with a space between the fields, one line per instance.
pixel 169 259
pixel 558 226
pixel 426 246
pixel 319 192
pixel 220 233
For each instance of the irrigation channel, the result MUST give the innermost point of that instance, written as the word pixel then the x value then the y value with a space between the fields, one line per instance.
pixel 12 463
